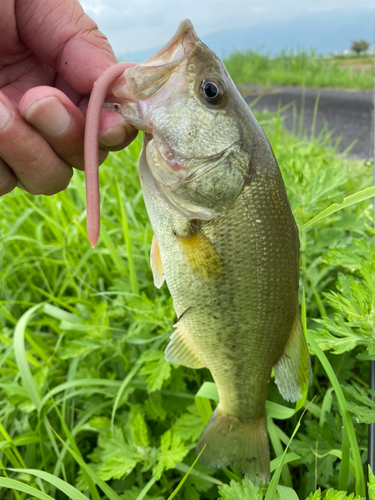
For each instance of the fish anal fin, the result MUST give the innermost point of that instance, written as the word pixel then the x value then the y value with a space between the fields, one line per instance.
pixel 180 352
pixel 156 263
pixel 293 373
pixel 201 256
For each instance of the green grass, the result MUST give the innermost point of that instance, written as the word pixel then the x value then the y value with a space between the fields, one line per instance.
pixel 300 68
pixel 88 404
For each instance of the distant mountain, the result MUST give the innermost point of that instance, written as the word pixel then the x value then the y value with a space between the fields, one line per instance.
pixel 329 31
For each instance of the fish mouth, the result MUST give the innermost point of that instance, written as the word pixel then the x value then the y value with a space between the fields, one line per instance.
pixel 145 79
pixel 168 156
pixel 178 47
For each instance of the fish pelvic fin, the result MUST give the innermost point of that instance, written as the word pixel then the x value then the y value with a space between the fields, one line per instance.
pixel 243 445
pixel 180 352
pixel 293 373
pixel 156 263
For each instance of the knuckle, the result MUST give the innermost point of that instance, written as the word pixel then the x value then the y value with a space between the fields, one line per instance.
pixel 60 184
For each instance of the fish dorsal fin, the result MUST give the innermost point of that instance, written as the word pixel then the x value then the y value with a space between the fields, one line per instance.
pixel 293 373
pixel 156 263
pixel 201 256
pixel 180 352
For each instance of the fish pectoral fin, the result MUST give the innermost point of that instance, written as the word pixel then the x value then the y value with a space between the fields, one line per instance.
pixel 201 256
pixel 180 352
pixel 156 263
pixel 293 373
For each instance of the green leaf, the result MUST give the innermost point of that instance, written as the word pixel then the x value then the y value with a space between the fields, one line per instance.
pixel 14 485
pixel 139 428
pixel 117 458
pixel 360 403
pixel 63 486
pixel 241 491
pixel 317 495
pixel 134 492
pixel 208 390
pixel 125 383
pixel 286 493
pixel 204 408
pixel 280 412
pixel 171 452
pixel 181 483
pixel 87 382
pixel 272 487
pixel 332 494
pixel 371 484
pixel 204 478
pixel 61 314
pixel 156 369
pixel 189 426
pixel 289 457
pixel 21 359
pixel 359 475
pixel 276 436
pixel 100 423
pixel 365 194
pixel 317 441
pixel 111 494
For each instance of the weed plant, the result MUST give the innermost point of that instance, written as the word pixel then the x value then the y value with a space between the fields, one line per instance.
pixel 89 408
pixel 300 68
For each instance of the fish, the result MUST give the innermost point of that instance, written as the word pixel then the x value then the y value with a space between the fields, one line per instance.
pixel 225 241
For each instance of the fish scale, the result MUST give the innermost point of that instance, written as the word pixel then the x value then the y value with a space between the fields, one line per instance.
pixel 225 242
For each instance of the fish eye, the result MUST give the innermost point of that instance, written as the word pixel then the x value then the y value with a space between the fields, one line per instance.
pixel 212 91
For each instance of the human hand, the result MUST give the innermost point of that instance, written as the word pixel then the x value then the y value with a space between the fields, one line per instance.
pixel 51 53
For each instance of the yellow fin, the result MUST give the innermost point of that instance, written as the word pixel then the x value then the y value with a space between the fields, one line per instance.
pixel 180 352
pixel 156 263
pixel 293 373
pixel 201 256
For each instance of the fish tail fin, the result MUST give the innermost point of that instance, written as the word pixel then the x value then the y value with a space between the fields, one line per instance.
pixel 243 445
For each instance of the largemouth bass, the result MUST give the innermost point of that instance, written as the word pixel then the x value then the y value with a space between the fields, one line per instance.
pixel 225 241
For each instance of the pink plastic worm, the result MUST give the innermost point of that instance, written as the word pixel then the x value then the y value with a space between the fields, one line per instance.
pixel 91 150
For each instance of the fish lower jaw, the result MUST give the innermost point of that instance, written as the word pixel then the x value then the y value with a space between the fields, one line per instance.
pixel 162 162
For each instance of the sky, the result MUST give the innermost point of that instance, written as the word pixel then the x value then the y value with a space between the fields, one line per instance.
pixel 138 25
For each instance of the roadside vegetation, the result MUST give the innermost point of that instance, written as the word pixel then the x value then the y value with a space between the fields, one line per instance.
pixel 301 68
pixel 89 408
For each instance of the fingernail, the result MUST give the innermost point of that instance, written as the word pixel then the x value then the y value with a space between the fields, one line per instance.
pixel 119 88
pixel 49 116
pixel 113 136
pixel 5 115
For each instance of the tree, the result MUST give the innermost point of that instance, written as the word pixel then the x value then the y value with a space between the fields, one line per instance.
pixel 359 46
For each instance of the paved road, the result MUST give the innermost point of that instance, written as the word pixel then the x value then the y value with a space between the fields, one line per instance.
pixel 346 114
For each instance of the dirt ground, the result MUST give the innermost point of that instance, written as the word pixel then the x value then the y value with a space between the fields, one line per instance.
pixel 346 114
